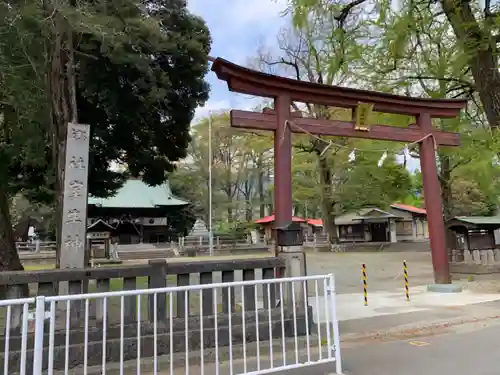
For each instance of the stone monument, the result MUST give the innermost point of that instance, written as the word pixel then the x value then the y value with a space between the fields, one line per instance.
pixel 74 214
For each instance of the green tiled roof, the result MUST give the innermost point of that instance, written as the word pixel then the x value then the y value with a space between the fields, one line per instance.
pixel 136 194
pixel 478 220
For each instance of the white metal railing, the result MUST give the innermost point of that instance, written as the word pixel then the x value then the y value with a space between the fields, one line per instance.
pixel 10 317
pixel 259 337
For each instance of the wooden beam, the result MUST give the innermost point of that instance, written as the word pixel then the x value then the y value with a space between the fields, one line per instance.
pixel 247 81
pixel 267 121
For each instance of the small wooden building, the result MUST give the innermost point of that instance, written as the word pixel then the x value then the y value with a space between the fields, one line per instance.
pixel 267 226
pixel 99 237
pixel 471 244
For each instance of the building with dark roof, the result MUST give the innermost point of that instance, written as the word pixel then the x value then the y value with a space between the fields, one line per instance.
pixel 138 212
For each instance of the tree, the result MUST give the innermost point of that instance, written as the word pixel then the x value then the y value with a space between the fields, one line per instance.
pixel 370 185
pixel 24 155
pixel 415 195
pixel 138 69
pixel 475 28
pixel 258 157
pixel 305 55
pixel 416 52
pixel 324 49
pixel 305 182
pixel 240 168
pixel 469 200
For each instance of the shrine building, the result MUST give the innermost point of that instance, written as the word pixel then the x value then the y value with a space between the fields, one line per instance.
pixel 138 213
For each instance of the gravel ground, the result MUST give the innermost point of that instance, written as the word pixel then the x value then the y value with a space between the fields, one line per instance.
pixel 384 270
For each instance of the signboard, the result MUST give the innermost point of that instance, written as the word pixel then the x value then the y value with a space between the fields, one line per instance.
pixel 98 235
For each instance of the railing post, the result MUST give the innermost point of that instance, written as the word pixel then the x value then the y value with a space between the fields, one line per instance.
pixel 39 326
pixel 335 324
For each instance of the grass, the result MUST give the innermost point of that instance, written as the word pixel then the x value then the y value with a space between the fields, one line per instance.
pixel 39 267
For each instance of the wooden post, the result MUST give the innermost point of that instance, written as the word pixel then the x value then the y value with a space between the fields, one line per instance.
pixel 433 203
pixel 283 162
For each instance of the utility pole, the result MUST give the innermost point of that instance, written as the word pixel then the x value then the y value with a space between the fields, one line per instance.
pixel 210 233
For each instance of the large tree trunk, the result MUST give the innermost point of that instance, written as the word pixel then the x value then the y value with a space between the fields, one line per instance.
pixel 445 181
pixel 260 188
pixel 62 96
pixel 59 117
pixel 480 46
pixel 230 211
pixel 248 208
pixel 9 257
pixel 327 203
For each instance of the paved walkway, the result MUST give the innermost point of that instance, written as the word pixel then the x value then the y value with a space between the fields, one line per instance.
pixel 351 306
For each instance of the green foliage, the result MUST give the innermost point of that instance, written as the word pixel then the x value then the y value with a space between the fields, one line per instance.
pixel 240 169
pixel 369 185
pixel 415 196
pixel 417 49
pixel 141 93
pixel 139 70
pixel 235 228
pixel 140 75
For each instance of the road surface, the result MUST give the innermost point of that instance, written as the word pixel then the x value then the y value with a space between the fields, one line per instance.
pixel 469 349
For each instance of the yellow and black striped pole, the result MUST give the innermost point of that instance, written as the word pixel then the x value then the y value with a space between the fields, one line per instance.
pixel 405 272
pixel 365 290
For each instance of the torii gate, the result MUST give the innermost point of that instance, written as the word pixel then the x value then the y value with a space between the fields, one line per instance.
pixel 284 91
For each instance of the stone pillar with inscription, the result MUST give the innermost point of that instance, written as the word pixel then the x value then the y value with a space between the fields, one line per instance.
pixel 74 215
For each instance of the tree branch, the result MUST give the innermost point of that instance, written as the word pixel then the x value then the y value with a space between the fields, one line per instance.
pixel 282 61
pixel 346 10
pixel 443 79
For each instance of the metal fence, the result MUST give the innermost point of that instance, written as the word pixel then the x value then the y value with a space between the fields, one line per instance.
pixel 200 243
pixel 271 328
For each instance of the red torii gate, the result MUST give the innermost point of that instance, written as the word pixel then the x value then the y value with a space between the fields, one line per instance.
pixel 283 123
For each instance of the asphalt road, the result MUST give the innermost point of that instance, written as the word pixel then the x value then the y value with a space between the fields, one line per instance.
pixel 469 349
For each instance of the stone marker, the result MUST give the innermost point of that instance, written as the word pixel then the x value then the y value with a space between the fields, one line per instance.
pixel 74 215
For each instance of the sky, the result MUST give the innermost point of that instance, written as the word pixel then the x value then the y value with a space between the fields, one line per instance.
pixel 238 29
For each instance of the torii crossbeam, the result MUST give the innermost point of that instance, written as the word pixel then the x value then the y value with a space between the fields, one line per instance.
pixel 284 91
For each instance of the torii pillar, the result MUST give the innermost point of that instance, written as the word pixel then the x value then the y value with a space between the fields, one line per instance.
pixel 285 90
